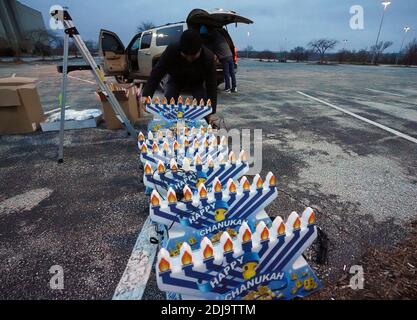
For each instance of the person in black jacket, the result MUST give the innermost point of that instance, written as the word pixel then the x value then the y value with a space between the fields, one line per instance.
pixel 190 67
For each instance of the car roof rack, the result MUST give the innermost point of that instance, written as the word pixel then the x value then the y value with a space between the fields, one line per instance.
pixel 167 24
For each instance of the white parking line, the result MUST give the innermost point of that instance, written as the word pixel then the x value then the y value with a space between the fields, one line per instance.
pixel 79 79
pixel 376 124
pixel 132 285
pixel 385 92
pixel 54 110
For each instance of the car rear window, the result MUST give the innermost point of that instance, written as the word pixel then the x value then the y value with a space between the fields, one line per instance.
pixel 167 36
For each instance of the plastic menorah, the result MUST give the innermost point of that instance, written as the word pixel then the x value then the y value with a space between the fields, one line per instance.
pixel 190 111
pixel 208 214
pixel 265 263
pixel 172 177
pixel 165 146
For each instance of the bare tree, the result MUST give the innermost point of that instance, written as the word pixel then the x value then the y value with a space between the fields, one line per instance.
pixel 146 25
pixel 270 55
pixel 342 55
pixel 321 46
pixel 378 49
pixel 298 54
pixel 92 46
pixel 362 56
pixel 267 55
pixel 72 49
pixel 248 50
pixel 411 53
pixel 42 41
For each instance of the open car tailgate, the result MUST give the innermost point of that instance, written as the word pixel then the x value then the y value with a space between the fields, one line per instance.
pixel 216 18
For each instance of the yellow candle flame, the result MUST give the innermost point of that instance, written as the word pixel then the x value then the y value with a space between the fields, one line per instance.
pixel 208 252
pixel 161 168
pixel 144 148
pixel 186 259
pixel 265 234
pixel 188 195
pixel 218 186
pixel 273 181
pixel 155 201
pixel 203 192
pixel 164 265
pixel 232 187
pixel 148 169
pixel 172 197
pixel 281 229
pixel 176 145
pixel 246 184
pixel 141 137
pixel 312 218
pixel 228 246
pixel 247 236
pixel 259 183
pixel 297 224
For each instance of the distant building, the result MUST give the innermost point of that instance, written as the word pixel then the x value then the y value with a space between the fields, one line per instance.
pixel 16 20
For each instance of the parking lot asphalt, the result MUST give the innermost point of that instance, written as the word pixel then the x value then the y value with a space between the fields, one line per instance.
pixel 86 214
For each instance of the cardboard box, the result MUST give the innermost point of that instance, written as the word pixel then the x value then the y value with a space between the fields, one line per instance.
pixel 20 107
pixel 127 98
pixel 16 81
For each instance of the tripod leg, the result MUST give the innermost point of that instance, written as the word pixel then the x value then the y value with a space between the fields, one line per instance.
pixel 63 98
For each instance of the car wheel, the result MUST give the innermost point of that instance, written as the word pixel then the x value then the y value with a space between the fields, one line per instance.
pixel 123 79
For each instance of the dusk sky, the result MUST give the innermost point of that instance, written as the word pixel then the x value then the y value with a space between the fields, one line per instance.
pixel 274 20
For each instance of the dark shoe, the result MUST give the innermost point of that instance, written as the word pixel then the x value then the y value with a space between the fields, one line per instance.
pixel 234 90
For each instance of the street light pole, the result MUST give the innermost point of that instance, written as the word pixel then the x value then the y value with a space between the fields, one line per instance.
pixel 285 50
pixel 406 29
pixel 385 4
pixel 344 44
pixel 247 48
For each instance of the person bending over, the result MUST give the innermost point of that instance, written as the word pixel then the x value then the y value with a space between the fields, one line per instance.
pixel 191 67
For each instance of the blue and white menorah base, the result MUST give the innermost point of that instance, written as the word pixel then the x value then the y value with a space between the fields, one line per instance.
pixel 205 210
pixel 264 264
pixel 175 112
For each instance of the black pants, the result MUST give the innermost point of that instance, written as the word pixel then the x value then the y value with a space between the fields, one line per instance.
pixel 174 89
pixel 229 72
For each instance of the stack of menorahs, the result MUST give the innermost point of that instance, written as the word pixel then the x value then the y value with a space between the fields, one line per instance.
pixel 220 243
pixel 169 115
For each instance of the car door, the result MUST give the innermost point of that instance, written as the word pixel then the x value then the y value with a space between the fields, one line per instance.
pixel 113 54
pixel 145 54
pixel 132 51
